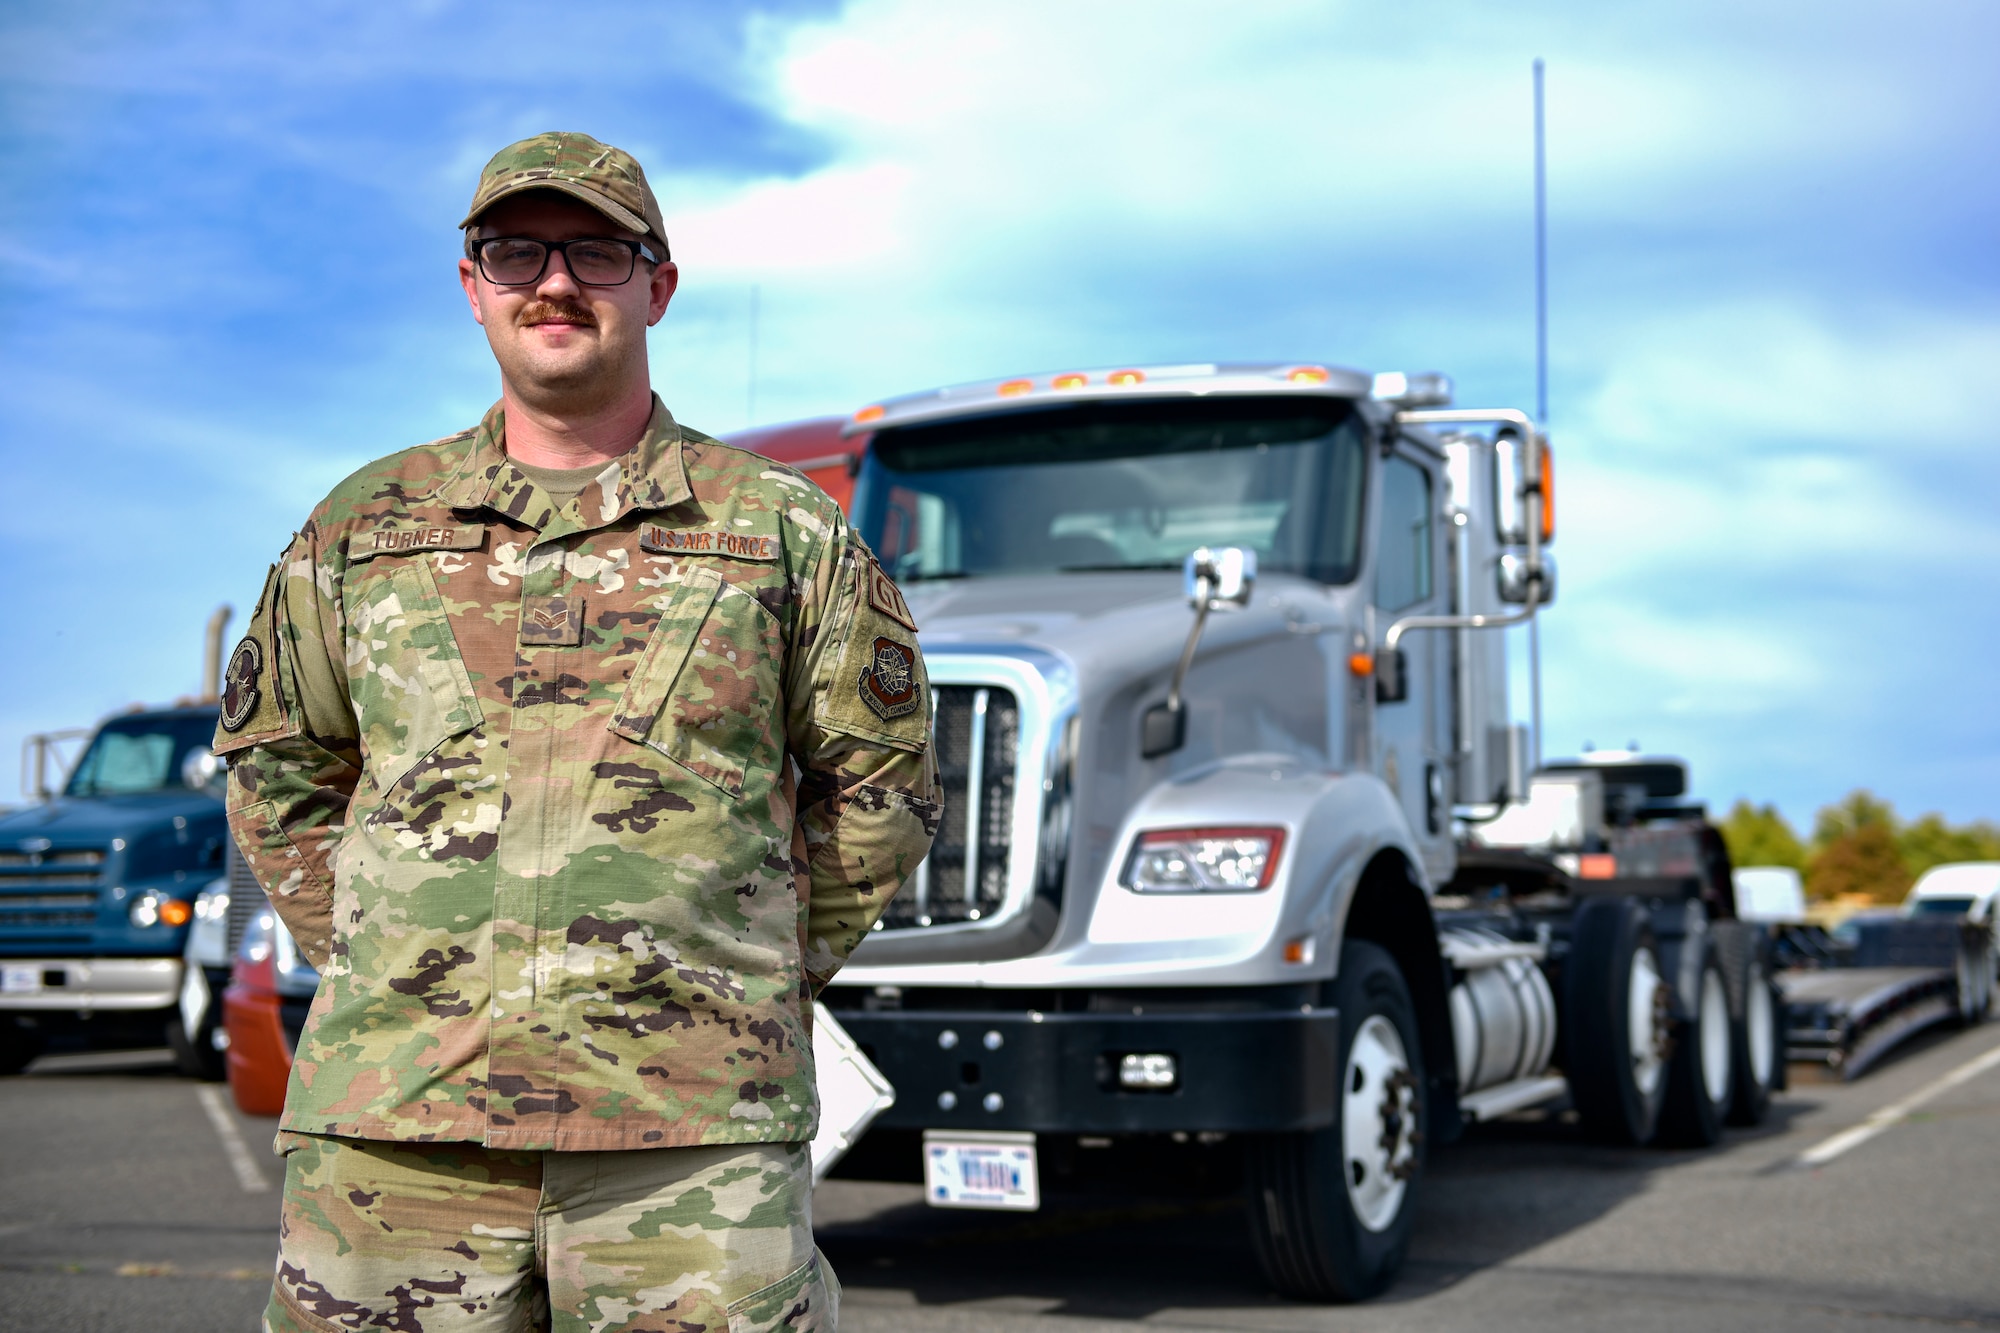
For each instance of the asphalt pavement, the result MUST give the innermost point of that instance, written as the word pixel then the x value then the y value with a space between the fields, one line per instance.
pixel 132 1199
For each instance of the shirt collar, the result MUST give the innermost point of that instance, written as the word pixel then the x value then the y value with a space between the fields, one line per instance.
pixel 652 475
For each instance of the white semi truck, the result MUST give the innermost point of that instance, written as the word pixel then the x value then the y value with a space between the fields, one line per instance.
pixel 1221 712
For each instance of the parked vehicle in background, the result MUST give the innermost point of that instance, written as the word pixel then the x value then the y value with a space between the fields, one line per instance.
pixel 1771 895
pixel 98 882
pixel 271 986
pixel 1970 889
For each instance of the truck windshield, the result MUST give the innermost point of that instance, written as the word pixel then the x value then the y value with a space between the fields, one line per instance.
pixel 1941 906
pixel 140 753
pixel 1113 486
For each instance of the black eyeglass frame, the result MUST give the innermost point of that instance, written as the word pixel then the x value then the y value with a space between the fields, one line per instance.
pixel 637 249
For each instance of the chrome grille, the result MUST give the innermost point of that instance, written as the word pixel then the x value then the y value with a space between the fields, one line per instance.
pixel 44 920
pixel 79 856
pixel 977 740
pixel 13 900
pixel 246 899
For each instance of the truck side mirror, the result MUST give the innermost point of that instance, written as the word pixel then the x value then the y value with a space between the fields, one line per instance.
pixel 1392 676
pixel 1219 578
pixel 1514 576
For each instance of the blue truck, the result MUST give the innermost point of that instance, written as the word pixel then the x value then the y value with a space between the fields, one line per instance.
pixel 100 880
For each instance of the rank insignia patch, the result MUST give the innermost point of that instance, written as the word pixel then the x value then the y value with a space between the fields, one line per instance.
pixel 889 685
pixel 240 692
pixel 552 622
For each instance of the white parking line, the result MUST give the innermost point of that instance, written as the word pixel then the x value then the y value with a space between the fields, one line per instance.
pixel 1896 1112
pixel 240 1161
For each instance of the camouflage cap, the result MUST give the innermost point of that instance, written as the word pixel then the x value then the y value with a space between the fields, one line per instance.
pixel 608 179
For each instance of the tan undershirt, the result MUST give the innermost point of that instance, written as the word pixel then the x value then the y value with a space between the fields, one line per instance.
pixel 560 484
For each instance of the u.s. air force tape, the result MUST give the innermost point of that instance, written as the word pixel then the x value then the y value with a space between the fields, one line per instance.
pixel 707 541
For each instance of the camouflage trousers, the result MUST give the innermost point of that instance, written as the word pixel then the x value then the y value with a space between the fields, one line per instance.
pixel 458 1238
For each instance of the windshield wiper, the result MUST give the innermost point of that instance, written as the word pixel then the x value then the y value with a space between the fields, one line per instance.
pixel 1099 569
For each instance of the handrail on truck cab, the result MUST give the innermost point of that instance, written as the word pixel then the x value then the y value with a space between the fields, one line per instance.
pixel 1531 486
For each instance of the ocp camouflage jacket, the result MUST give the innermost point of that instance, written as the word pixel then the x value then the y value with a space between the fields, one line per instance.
pixel 574 809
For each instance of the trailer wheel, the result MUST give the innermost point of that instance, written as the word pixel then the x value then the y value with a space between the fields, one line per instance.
pixel 1618 1016
pixel 1331 1209
pixel 1756 1021
pixel 1700 1086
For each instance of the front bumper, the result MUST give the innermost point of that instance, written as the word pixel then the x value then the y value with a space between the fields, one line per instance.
pixel 90 985
pixel 1056 1073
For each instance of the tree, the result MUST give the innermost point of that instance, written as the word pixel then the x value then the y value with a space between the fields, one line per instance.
pixel 1857 810
pixel 1757 835
pixel 1930 841
pixel 1865 860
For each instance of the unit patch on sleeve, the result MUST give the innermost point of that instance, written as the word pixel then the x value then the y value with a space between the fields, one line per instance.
pixel 707 541
pixel 889 684
pixel 240 690
pixel 886 597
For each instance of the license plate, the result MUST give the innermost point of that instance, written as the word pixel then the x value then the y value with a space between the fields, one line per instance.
pixel 980 1170
pixel 17 979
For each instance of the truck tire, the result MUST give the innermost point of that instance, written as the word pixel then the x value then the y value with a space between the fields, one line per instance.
pixel 19 1045
pixel 196 1056
pixel 1756 1020
pixel 1331 1209
pixel 1700 1082
pixel 1617 1021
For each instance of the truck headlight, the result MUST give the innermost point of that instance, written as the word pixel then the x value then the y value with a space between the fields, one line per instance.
pixel 150 909
pixel 1204 860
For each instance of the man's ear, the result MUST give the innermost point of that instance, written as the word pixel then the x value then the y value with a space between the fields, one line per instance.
pixel 468 278
pixel 666 278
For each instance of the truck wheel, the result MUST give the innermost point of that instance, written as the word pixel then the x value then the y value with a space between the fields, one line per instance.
pixel 1700 1090
pixel 1756 1020
pixel 1617 1015
pixel 18 1046
pixel 1331 1209
pixel 196 1056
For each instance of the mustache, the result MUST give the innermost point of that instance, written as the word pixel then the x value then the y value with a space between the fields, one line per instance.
pixel 544 312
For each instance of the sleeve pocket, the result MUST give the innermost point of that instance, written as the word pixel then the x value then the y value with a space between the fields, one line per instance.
pixel 806 1300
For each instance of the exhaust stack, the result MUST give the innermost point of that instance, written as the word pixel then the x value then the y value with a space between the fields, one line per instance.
pixel 211 671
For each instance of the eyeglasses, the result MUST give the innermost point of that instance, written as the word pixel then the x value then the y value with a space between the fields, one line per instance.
pixel 595 261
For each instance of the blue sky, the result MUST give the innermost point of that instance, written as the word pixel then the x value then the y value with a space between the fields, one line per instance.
pixel 1774 289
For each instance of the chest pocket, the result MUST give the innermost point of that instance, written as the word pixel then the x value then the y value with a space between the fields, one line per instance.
pixel 705 692
pixel 410 688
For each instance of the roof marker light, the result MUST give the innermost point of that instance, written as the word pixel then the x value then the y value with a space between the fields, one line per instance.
pixel 1070 381
pixel 868 414
pixel 1126 377
pixel 1308 375
pixel 1010 388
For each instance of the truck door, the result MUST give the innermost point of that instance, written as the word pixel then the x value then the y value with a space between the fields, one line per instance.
pixel 1411 735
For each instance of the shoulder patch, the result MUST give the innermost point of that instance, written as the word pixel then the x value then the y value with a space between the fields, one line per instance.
pixel 252 708
pixel 242 687
pixel 889 682
pixel 886 597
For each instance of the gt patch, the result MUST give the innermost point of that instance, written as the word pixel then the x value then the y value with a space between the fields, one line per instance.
pixel 240 690
pixel 889 684
pixel 885 597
